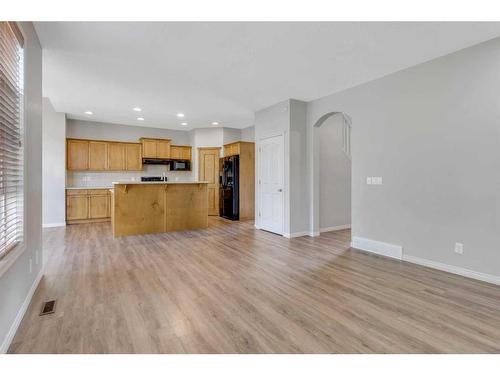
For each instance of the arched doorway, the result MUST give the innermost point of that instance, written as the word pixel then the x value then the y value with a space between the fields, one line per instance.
pixel 332 172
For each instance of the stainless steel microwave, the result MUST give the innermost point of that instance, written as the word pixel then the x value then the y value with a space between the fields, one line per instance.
pixel 180 165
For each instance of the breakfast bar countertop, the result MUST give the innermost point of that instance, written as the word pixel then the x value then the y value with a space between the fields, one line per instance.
pixel 159 182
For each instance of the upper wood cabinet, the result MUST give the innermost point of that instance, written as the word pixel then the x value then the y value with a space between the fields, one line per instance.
pixel 155 148
pixel 233 148
pixel 180 152
pixel 77 157
pixel 133 157
pixel 163 149
pixel 98 160
pixel 93 155
pixel 148 148
pixel 116 157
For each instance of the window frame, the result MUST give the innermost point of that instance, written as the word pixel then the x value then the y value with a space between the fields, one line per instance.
pixel 9 259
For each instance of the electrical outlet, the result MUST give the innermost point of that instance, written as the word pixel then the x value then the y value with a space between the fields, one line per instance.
pixel 459 248
pixel 31 265
pixel 369 180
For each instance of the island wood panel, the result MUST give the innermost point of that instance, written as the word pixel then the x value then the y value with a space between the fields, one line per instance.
pixel 77 155
pixel 155 208
pixel 138 209
pixel 187 207
pixel 209 171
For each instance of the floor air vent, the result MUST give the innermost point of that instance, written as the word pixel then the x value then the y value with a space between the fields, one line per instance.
pixel 48 307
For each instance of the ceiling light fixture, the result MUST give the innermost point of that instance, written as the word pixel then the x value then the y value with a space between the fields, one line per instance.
pixel 137 109
pixel 180 115
pixel 140 118
pixel 215 123
pixel 184 123
pixel 89 112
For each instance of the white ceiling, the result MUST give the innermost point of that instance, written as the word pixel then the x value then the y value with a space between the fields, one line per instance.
pixel 223 72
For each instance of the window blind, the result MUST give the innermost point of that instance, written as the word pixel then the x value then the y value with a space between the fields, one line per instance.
pixel 11 131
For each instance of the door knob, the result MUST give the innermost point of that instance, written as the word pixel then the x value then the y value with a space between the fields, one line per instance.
pixel 280 190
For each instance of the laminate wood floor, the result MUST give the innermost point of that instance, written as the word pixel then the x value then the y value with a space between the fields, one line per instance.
pixel 233 289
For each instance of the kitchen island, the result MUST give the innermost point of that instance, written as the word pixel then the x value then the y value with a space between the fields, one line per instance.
pixel 156 207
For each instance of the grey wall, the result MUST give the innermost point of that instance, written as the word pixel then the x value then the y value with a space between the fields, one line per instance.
pixel 433 133
pixel 248 134
pixel 16 282
pixel 287 118
pixel 118 132
pixel 298 186
pixel 53 164
pixel 269 122
pixel 334 175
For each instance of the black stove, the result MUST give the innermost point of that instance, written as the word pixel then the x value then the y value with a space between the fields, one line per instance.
pixel 153 179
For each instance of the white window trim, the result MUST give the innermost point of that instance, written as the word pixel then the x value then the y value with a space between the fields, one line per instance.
pixel 10 258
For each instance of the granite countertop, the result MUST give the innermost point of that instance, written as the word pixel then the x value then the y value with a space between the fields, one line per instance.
pixel 87 187
pixel 158 182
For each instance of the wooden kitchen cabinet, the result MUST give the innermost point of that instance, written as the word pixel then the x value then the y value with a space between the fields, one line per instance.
pixel 98 156
pixel 148 148
pixel 180 152
pixel 133 157
pixel 155 148
pixel 87 205
pixel 77 155
pixel 116 156
pixel 232 149
pixel 163 149
pixel 98 206
pixel 77 207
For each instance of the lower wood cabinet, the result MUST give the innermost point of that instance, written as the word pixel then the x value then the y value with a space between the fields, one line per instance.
pixel 87 205
pixel 77 207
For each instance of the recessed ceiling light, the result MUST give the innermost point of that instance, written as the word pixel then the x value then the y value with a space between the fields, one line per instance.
pixel 137 109
pixel 89 112
pixel 184 123
pixel 140 118
pixel 215 123
pixel 180 115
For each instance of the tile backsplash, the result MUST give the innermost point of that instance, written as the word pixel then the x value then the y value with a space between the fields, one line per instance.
pixel 105 179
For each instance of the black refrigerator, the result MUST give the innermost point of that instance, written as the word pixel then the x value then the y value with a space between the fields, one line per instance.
pixel 229 187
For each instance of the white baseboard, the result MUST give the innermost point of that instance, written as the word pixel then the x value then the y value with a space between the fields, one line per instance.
pixel 337 227
pixel 20 314
pixel 453 269
pixel 295 234
pixel 377 247
pixel 53 225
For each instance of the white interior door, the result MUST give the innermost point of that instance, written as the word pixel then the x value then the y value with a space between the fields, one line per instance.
pixel 271 184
